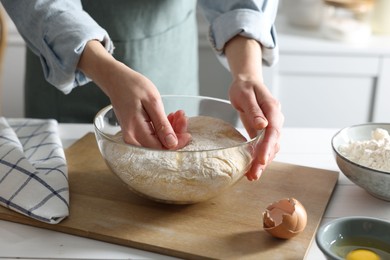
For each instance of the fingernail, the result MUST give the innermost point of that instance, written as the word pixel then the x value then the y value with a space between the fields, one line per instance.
pixel 170 140
pixel 259 121
pixel 250 178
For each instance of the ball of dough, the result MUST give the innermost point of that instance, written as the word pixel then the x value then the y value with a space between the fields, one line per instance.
pixel 211 162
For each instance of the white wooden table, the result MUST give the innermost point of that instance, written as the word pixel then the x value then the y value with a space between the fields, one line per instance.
pixel 303 146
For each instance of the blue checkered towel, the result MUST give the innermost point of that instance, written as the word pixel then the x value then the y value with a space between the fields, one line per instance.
pixel 33 171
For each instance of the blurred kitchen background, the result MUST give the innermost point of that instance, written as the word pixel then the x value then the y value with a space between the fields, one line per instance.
pixel 334 67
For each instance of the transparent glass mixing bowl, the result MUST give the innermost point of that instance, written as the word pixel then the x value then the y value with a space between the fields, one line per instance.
pixel 193 176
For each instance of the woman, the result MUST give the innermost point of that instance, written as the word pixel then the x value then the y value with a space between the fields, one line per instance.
pixel 155 53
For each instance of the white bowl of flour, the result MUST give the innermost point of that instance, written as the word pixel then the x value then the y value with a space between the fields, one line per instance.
pixel 217 157
pixel 362 153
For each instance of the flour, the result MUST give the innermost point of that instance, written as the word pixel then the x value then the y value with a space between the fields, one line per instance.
pixel 373 153
pixel 184 176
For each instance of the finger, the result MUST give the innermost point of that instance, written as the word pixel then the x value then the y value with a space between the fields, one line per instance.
pixel 128 138
pixel 183 140
pixel 161 124
pixel 265 152
pixel 257 168
pixel 171 118
pixel 266 148
pixel 254 116
pixel 127 129
pixel 252 132
pixel 137 130
pixel 180 122
pixel 143 133
pixel 255 171
pixel 180 125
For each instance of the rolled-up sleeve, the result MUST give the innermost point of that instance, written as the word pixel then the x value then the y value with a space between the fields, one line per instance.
pixel 57 31
pixel 252 19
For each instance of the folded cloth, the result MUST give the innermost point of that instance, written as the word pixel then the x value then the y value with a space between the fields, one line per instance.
pixel 33 170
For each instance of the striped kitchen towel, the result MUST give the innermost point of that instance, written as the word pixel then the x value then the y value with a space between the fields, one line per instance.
pixel 33 171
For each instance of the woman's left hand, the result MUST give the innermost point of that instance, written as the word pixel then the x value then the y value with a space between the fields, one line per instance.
pixel 258 110
pixel 249 95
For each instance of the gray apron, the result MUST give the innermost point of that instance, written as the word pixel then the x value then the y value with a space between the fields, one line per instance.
pixel 157 38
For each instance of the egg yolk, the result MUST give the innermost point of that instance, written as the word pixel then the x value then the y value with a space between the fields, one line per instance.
pixel 362 254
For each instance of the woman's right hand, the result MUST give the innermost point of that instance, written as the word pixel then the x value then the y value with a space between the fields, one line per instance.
pixel 136 101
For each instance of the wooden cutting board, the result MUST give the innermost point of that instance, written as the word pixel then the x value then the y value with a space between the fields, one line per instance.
pixel 227 227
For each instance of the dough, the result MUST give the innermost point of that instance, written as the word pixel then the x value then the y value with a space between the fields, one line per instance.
pixel 211 133
pixel 211 162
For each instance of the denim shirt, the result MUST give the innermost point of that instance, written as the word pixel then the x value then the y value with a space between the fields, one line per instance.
pixel 57 31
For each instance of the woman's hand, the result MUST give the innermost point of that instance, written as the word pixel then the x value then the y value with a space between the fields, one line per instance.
pixel 136 101
pixel 257 107
pixel 258 110
pixel 179 122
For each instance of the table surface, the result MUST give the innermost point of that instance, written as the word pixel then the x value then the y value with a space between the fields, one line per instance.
pixel 303 146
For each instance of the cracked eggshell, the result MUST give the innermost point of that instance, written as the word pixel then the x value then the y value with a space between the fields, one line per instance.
pixel 285 218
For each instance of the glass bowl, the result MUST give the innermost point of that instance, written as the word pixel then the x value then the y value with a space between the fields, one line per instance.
pixel 177 177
